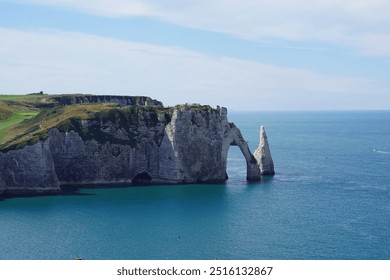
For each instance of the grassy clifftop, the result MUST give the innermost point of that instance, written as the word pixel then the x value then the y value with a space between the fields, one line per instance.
pixel 27 119
pixel 14 109
pixel 5 112
pixel 31 130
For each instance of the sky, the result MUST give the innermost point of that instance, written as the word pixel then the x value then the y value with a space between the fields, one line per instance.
pixel 253 55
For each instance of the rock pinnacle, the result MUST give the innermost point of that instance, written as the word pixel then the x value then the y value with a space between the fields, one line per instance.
pixel 263 155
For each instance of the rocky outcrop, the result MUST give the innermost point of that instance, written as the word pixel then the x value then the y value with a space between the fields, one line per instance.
pixel 263 155
pixel 183 144
pixel 200 140
pixel 29 170
pixel 118 99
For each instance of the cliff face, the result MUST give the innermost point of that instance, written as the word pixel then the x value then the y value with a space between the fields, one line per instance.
pixel 29 170
pixel 200 141
pixel 183 144
pixel 118 99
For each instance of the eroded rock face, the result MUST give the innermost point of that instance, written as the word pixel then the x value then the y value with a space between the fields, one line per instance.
pixel 263 155
pixel 118 99
pixel 189 145
pixel 200 141
pixel 28 170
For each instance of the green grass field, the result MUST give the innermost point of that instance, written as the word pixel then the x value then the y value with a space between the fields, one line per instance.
pixel 18 97
pixel 16 118
pixel 5 112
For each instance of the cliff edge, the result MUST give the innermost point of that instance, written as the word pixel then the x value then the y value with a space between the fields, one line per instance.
pixel 103 140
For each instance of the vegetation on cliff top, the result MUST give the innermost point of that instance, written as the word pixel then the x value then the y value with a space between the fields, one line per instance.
pixel 5 112
pixel 14 109
pixel 27 119
pixel 14 119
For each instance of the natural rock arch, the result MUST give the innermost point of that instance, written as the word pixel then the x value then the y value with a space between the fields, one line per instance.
pixel 252 169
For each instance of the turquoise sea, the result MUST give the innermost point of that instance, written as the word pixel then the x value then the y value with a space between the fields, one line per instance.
pixel 330 199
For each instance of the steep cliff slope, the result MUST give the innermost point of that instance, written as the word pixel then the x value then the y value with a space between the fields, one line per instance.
pixel 111 139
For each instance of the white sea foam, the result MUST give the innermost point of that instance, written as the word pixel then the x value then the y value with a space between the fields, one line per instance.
pixel 381 152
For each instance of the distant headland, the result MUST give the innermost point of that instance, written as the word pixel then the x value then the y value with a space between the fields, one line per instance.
pixel 49 141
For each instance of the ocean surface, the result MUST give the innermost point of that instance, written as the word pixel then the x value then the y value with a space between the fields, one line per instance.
pixel 329 199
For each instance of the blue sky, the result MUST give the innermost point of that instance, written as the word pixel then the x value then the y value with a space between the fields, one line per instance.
pixel 241 54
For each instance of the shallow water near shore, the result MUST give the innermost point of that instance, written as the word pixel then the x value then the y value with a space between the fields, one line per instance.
pixel 330 199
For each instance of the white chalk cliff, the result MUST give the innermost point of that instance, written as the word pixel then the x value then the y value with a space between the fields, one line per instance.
pixel 183 144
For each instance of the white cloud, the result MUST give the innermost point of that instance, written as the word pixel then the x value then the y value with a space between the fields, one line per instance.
pixel 112 8
pixel 345 23
pixel 60 62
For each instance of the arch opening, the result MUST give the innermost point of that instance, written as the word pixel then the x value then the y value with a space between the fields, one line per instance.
pixel 236 166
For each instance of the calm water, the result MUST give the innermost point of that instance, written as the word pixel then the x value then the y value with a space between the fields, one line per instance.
pixel 330 199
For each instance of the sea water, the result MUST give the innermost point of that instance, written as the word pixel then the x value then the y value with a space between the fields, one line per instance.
pixel 329 199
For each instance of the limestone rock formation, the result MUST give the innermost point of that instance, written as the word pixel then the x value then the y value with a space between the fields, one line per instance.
pixel 263 155
pixel 130 144
pixel 69 99
pixel 29 170
pixel 200 140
